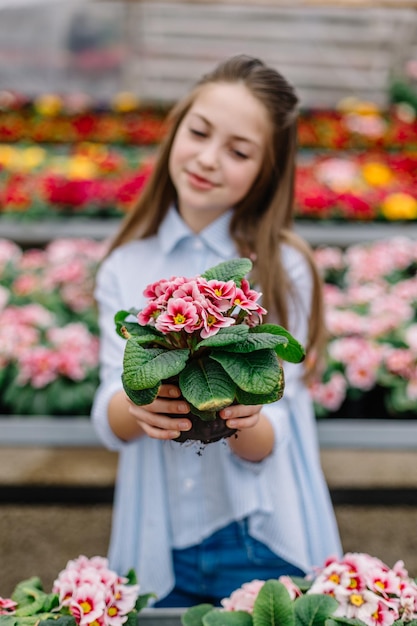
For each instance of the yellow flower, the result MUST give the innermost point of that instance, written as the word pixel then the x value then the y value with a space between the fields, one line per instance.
pixel 8 156
pixel 81 167
pixel 48 104
pixel 125 101
pixel 376 174
pixel 352 104
pixel 32 157
pixel 399 206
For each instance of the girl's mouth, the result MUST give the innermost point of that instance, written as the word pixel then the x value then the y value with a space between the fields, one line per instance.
pixel 198 182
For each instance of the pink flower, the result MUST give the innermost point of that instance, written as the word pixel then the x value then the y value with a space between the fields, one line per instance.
pixel 38 366
pixel 246 298
pixel 7 606
pixel 87 603
pixel 243 599
pixel 213 320
pixel 180 315
pixel 290 586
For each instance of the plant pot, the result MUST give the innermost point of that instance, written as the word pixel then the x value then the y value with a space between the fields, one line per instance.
pixel 205 431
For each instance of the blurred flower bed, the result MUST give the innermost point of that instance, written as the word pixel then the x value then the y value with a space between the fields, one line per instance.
pixel 49 334
pixel 360 186
pixel 68 156
pixel 125 120
pixel 371 314
pixel 99 180
pixel 90 179
pixel 48 328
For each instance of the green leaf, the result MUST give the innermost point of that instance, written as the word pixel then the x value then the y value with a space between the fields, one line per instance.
pixel 8 620
pixel 143 600
pixel 225 336
pixel 145 368
pixel 58 620
pixel 194 615
pixel 353 621
pixel 273 606
pixel 255 372
pixel 147 333
pixel 206 385
pixel 314 609
pixel 140 396
pixel 260 341
pixel 217 617
pixel 243 397
pixel 31 597
pixel 206 416
pixel 293 351
pixel 235 270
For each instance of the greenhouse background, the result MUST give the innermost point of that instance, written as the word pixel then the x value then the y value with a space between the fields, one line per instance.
pixel 84 90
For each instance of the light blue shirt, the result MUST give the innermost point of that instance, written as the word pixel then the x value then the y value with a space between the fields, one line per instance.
pixel 167 495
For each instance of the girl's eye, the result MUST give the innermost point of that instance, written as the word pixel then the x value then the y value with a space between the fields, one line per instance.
pixel 239 154
pixel 197 133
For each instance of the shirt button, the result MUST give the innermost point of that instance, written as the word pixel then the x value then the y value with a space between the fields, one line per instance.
pixel 189 484
pixel 197 244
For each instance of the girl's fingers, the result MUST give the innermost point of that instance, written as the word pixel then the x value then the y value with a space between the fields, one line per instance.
pixel 241 416
pixel 158 424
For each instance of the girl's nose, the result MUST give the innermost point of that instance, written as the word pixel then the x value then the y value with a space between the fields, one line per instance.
pixel 209 155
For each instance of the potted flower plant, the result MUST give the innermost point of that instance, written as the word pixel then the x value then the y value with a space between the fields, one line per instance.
pixel 206 334
pixel 86 593
pixel 356 590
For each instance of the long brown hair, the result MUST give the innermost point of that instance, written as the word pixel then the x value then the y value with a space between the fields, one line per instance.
pixel 264 218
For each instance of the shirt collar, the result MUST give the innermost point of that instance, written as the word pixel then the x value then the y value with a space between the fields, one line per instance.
pixel 215 236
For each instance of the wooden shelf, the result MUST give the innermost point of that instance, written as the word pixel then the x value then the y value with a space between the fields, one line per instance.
pixel 333 433
pixel 328 233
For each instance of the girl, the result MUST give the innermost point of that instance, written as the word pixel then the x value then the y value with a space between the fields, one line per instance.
pixel 196 527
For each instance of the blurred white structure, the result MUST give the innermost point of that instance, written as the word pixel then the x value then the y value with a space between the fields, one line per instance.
pixel 158 49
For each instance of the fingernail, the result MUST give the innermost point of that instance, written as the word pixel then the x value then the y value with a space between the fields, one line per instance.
pixel 174 434
pixel 185 425
pixel 173 393
pixel 227 412
pixel 182 408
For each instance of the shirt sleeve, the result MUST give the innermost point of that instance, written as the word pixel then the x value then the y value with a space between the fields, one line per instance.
pixel 111 352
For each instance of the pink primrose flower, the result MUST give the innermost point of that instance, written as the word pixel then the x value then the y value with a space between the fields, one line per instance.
pixel 25 284
pixel 33 259
pixel 7 606
pixel 331 394
pixel 9 253
pixel 334 296
pixel 87 603
pixel 400 361
pixel 246 298
pixel 179 315
pixel 360 374
pixel 38 366
pixel 329 258
pixel 222 293
pixel 213 320
pixel 94 593
pixel 290 586
pixel 243 599
pixel 149 314
pixel 344 322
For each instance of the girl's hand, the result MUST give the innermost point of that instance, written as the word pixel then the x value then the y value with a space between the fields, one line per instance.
pixel 255 436
pixel 154 418
pixel 241 416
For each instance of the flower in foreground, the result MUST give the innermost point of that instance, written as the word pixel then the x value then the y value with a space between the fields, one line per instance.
pixel 356 589
pixel 94 594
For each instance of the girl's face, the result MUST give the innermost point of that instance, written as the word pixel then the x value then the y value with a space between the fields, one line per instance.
pixel 217 152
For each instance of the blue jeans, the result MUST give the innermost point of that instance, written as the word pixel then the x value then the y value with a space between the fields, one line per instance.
pixel 224 561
